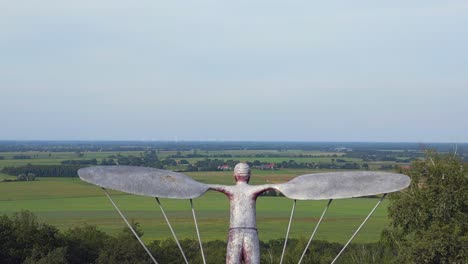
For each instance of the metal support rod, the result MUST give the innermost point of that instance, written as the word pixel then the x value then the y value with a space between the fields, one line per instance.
pixel 315 230
pixel 198 233
pixel 172 230
pixel 130 226
pixel 287 232
pixel 359 228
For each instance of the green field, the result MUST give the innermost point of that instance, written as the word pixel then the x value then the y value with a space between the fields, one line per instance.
pixel 66 202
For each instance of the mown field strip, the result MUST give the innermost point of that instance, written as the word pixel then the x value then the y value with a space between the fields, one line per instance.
pixel 68 202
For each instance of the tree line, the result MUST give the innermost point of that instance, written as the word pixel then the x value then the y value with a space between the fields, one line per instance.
pixel 44 170
pixel 69 168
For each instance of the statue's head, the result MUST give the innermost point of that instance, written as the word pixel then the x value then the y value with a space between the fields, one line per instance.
pixel 242 172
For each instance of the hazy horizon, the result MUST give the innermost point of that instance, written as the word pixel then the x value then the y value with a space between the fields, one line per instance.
pixel 242 71
pixel 224 141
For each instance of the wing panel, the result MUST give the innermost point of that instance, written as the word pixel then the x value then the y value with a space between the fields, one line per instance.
pixel 144 181
pixel 336 185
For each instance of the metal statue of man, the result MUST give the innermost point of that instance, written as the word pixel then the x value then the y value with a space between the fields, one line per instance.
pixel 243 242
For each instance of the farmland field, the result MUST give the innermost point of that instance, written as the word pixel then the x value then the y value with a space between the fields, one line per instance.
pixel 67 202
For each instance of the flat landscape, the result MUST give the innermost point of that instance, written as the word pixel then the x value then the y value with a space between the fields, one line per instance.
pixel 67 201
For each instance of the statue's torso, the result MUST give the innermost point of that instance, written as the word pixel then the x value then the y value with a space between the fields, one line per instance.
pixel 243 205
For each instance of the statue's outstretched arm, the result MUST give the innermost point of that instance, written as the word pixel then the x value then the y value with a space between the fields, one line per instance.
pixel 336 185
pixel 263 188
pixel 144 181
pixel 219 188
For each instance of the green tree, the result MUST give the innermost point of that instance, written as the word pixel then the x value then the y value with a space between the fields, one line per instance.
pixel 430 218
pixel 84 243
pixel 21 177
pixel 30 177
pixel 124 249
pixel 56 256
pixel 22 236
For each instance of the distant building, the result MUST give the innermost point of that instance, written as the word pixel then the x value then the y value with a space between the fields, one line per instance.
pixel 224 167
pixel 343 149
pixel 269 166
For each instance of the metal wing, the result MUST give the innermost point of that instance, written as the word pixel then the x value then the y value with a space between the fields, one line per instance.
pixel 336 185
pixel 144 181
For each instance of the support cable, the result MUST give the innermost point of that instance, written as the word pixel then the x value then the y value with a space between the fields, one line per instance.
pixel 172 230
pixel 287 232
pixel 359 228
pixel 130 226
pixel 198 233
pixel 315 230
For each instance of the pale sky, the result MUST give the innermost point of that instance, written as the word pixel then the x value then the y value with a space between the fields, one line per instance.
pixel 234 70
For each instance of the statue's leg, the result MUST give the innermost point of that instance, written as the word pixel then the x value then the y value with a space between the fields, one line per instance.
pixel 234 246
pixel 251 247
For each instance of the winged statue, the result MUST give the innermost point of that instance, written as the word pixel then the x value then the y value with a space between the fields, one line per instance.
pixel 243 242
